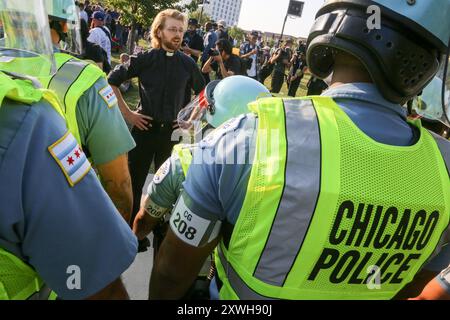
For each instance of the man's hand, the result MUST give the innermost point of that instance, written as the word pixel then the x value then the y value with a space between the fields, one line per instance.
pixel 138 120
pixel 143 245
pixel 176 267
pixel 186 50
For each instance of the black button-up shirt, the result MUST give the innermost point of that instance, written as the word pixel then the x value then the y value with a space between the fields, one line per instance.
pixel 165 82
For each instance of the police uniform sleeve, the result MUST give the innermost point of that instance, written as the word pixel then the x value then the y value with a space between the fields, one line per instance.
pixel 69 230
pixel 216 182
pixel 102 127
pixel 165 188
pixel 444 279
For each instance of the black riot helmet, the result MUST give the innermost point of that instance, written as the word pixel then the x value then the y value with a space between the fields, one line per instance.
pixel 402 54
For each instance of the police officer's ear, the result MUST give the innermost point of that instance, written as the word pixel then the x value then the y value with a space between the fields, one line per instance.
pixel 64 26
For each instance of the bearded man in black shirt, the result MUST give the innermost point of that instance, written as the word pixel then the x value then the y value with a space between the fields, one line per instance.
pixel 165 75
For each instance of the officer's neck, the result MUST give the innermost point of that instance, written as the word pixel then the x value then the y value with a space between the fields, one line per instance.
pixel 348 69
pixel 349 75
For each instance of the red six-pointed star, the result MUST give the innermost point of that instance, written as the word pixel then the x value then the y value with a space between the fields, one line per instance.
pixel 77 154
pixel 70 161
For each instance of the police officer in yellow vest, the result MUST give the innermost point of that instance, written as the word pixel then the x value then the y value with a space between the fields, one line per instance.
pixel 90 106
pixel 216 104
pixel 339 196
pixel 57 225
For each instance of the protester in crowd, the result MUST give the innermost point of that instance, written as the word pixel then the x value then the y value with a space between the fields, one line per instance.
pixel 89 12
pixel 296 73
pixel 249 54
pixel 108 19
pixel 83 13
pixel 223 61
pixel 192 42
pixel 266 65
pixel 281 60
pixel 209 42
pixel 99 34
pixel 93 51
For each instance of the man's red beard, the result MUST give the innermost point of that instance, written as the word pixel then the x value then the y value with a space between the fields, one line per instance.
pixel 172 44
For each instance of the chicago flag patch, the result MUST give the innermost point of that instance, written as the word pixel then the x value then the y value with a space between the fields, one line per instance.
pixel 109 96
pixel 71 158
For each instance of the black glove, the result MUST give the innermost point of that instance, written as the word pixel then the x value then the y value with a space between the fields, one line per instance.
pixel 143 245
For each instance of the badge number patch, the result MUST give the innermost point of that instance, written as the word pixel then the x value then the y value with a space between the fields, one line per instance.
pixel 70 158
pixel 162 172
pixel 109 96
pixel 189 227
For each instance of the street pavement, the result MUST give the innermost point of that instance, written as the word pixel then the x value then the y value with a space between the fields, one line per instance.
pixel 137 277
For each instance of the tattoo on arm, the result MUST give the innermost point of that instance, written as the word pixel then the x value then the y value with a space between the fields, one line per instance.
pixel 121 196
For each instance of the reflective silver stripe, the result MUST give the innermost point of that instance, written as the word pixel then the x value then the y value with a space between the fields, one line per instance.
pixel 67 74
pixel 239 286
pixel 444 147
pixel 300 194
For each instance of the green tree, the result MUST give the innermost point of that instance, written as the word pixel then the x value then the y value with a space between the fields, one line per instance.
pixel 192 6
pixel 134 12
pixel 202 17
pixel 237 33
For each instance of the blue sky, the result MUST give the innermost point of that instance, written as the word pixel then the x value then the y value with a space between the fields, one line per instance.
pixel 268 15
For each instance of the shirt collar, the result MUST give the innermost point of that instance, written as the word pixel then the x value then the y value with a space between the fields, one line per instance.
pixel 366 92
pixel 167 53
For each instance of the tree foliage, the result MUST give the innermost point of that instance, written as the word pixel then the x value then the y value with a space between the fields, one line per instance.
pixel 133 12
pixel 202 17
pixel 237 33
pixel 142 11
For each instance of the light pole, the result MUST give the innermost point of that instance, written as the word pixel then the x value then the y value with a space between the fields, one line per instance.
pixel 202 3
pixel 201 16
pixel 295 9
pixel 284 24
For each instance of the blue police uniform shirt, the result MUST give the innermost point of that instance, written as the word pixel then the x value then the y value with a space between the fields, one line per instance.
pixel 46 222
pixel 215 190
pixel 383 121
pixel 101 125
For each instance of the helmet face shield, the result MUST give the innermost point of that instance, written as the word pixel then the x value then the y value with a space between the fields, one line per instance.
pixel 191 119
pixel 434 103
pixel 220 102
pixel 64 19
pixel 25 43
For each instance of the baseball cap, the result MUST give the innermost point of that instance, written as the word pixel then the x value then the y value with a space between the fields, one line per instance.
pixel 222 23
pixel 98 15
pixel 193 21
